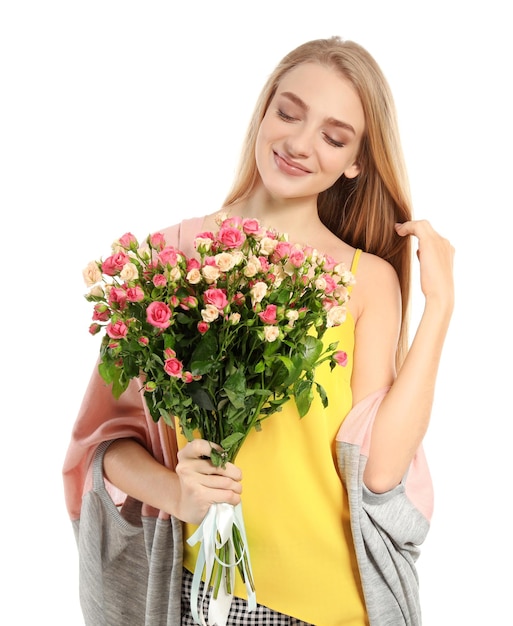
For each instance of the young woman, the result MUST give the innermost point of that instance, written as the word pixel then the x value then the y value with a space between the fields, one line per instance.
pixel 334 516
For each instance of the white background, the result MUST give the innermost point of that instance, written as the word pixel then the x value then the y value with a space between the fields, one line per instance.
pixel 118 116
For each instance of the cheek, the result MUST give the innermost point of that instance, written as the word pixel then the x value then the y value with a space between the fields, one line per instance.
pixel 336 161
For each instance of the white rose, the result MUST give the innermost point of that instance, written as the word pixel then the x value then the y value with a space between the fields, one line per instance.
pixel 225 261
pixel 258 292
pixel 205 243
pixel 92 274
pixel 252 267
pixel 129 272
pixel 210 273
pixel 175 274
pixel 267 245
pixel 96 292
pixel 194 276
pixel 209 313
pixel 320 283
pixel 336 316
pixel 271 333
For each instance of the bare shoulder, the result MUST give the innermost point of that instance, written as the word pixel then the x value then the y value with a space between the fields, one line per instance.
pixel 377 284
pixel 211 221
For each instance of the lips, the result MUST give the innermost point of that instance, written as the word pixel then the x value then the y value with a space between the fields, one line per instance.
pixel 288 166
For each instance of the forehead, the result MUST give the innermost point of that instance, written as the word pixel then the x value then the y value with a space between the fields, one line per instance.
pixel 325 91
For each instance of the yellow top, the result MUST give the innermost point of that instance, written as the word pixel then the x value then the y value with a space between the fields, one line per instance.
pixel 295 508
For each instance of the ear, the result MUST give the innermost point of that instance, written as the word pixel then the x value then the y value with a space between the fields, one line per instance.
pixel 353 170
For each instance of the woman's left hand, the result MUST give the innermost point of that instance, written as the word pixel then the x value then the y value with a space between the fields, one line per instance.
pixel 436 255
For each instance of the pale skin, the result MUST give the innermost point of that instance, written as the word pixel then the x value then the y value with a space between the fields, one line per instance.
pixel 310 135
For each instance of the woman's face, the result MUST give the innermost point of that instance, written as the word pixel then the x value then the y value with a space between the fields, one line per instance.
pixel 310 134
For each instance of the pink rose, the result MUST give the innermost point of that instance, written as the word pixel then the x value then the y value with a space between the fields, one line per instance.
pixel 264 263
pixel 118 296
pixel 189 302
pixel 239 298
pixel 281 251
pixel 114 264
pixel 231 237
pixel 297 257
pixel 340 358
pixel 168 256
pixel 158 314
pixel 251 226
pixel 144 341
pixel 193 264
pixel 169 353
pixel 216 297
pixel 128 241
pixel 159 280
pixel 173 367
pixel 328 263
pixel 203 327
pixel 157 241
pixel 187 377
pixel 330 283
pixel 268 316
pixel 117 330
pixel 205 235
pixel 233 221
pixel 101 312
pixel 134 294
pixel 94 329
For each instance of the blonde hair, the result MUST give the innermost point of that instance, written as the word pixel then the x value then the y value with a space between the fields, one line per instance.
pixel 361 211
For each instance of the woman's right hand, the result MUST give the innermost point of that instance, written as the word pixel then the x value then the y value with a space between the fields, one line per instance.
pixel 203 484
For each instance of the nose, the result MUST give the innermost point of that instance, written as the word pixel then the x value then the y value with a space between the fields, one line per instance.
pixel 299 143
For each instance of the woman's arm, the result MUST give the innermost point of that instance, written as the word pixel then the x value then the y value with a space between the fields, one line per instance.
pixel 404 414
pixel 187 493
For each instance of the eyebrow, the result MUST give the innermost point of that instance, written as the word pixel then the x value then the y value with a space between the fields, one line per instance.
pixel 330 120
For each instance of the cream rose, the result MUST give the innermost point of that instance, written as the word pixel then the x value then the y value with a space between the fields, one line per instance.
pixel 209 313
pixel 92 274
pixel 210 273
pixel 267 245
pixel 258 292
pixel 129 272
pixel 271 333
pixel 336 315
pixel 194 276
pixel 225 261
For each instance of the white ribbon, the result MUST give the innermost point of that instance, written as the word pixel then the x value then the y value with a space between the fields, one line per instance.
pixel 214 532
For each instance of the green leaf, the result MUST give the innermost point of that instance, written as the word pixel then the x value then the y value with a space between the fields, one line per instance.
pixel 311 350
pixel 303 396
pixel 235 388
pixel 231 440
pixel 201 397
pixel 322 394
pixel 259 367
pixel 294 368
pixel 204 356
pixel 106 371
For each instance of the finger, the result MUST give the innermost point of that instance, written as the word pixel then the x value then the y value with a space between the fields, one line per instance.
pixel 196 449
pixel 221 483
pixel 414 227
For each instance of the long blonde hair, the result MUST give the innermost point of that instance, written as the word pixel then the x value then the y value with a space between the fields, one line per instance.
pixel 361 211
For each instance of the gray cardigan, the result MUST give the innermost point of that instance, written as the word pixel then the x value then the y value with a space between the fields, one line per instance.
pixel 131 565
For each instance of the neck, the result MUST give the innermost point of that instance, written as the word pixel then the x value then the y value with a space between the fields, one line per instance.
pixel 283 214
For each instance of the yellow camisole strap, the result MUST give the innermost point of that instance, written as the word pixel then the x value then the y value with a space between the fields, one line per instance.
pixel 354 262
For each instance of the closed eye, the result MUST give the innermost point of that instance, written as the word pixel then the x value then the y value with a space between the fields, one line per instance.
pixel 284 116
pixel 332 142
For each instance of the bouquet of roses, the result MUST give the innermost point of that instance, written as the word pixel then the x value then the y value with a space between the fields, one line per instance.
pixel 220 341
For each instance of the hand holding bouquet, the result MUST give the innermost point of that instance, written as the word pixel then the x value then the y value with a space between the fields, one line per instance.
pixel 220 341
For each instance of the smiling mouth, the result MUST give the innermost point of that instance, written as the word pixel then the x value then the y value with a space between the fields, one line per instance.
pixel 289 167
